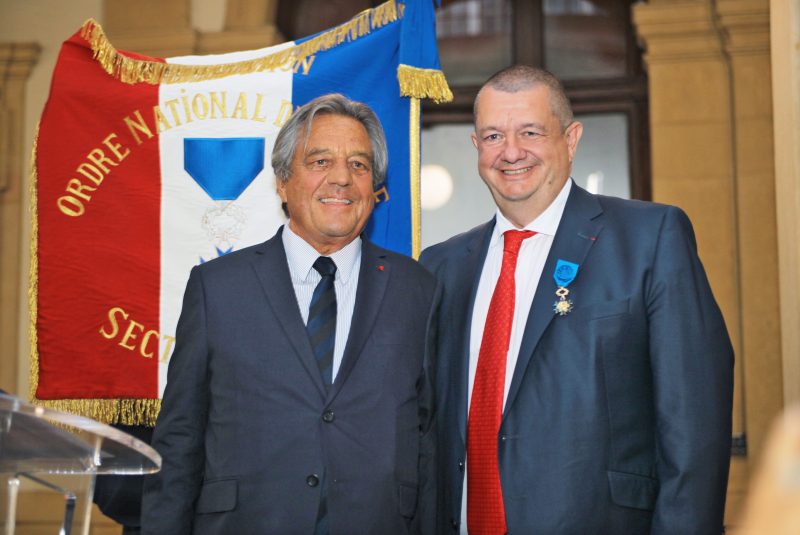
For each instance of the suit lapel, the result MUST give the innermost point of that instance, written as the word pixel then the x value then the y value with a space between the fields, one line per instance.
pixel 576 234
pixel 373 277
pixel 272 270
pixel 468 272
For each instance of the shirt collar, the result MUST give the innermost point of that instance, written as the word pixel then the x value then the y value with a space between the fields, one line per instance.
pixel 546 223
pixel 301 256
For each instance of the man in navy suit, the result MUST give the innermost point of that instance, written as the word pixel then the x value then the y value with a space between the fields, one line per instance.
pixel 584 377
pixel 299 398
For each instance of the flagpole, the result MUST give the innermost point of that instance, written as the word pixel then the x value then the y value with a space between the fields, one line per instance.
pixel 414 157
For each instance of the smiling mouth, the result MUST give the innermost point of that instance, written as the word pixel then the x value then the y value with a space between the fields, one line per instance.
pixel 513 172
pixel 333 200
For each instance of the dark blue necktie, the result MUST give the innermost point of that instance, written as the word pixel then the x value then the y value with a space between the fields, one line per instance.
pixel 321 325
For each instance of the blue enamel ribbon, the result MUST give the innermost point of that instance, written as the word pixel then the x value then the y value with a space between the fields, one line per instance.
pixel 565 273
pixel 223 167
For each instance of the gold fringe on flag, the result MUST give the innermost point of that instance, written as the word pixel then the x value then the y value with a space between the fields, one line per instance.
pixel 131 71
pixel 110 411
pixel 423 83
pixel 33 273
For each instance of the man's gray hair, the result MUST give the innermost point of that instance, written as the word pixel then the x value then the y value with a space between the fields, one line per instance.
pixel 299 124
pixel 523 77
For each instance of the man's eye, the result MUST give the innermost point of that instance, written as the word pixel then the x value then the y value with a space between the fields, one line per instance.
pixel 319 163
pixel 529 133
pixel 492 137
pixel 359 166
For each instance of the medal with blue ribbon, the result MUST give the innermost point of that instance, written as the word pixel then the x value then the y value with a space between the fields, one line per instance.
pixel 224 168
pixel 564 274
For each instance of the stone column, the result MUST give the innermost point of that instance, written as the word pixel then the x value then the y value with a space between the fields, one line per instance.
pixel 152 27
pixel 745 28
pixel 249 24
pixel 162 28
pixel 785 36
pixel 16 62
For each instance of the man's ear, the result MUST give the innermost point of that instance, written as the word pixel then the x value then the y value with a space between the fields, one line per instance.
pixel 474 138
pixel 280 186
pixel 573 135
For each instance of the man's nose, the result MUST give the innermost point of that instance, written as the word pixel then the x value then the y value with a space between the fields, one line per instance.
pixel 340 174
pixel 512 150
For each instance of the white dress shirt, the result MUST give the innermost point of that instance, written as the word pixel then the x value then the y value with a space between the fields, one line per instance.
pixel 301 257
pixel 530 264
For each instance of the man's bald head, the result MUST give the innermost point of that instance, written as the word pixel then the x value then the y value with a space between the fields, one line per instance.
pixel 523 77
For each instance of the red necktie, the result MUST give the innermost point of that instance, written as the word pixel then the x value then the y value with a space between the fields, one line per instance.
pixel 485 510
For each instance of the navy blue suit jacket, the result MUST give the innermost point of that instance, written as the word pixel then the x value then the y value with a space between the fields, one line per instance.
pixel 618 418
pixel 241 427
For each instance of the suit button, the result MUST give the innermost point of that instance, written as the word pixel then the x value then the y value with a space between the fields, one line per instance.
pixel 312 480
pixel 327 416
pixel 461 466
pixel 454 523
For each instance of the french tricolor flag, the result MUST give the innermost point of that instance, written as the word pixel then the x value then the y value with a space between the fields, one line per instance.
pixel 145 167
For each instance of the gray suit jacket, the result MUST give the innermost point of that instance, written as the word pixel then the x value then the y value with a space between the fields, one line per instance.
pixel 618 418
pixel 247 427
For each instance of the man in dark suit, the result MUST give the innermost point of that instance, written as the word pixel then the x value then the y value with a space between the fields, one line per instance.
pixel 298 398
pixel 584 374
